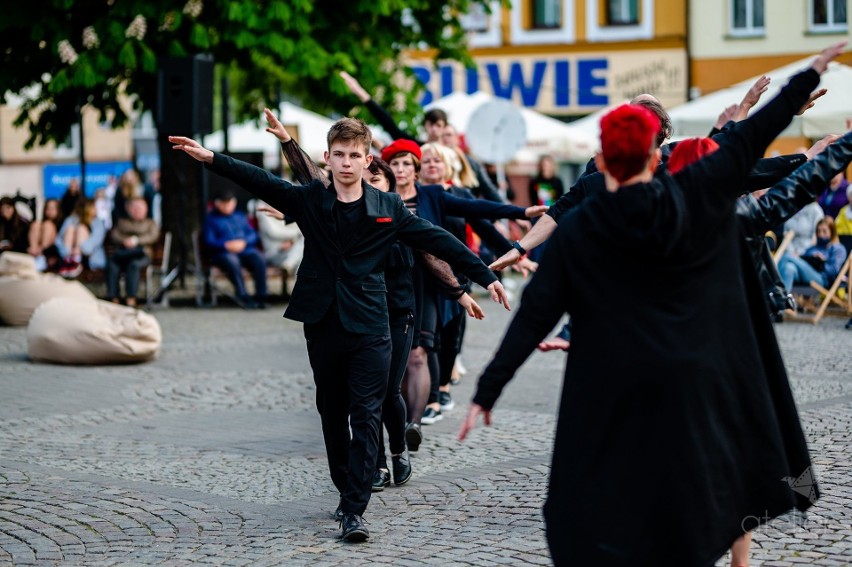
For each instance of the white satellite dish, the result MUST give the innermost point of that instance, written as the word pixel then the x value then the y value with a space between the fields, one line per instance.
pixel 496 131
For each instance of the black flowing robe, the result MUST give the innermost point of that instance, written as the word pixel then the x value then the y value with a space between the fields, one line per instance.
pixel 677 429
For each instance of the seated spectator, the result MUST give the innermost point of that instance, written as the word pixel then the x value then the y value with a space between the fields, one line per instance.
pixel 133 238
pixel 843 220
pixel 42 236
pixel 129 186
pixel 283 246
pixel 81 239
pixel 803 224
pixel 13 229
pixel 232 243
pixel 834 197
pixel 820 263
pixel 70 198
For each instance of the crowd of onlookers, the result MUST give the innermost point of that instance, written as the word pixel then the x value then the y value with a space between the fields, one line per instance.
pixel 113 231
pixel 822 238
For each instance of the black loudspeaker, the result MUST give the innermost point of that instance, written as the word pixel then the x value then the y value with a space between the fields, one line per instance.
pixel 185 95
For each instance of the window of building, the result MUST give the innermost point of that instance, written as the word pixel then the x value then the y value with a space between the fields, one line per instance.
pixel 483 28
pixel 747 17
pixel 827 15
pixel 620 20
pixel 70 148
pixel 622 12
pixel 542 22
pixel 546 14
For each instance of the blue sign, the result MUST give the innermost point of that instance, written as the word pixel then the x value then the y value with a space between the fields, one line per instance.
pixel 527 78
pixel 57 177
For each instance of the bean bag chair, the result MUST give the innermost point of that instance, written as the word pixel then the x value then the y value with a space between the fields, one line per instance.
pixel 22 288
pixel 67 330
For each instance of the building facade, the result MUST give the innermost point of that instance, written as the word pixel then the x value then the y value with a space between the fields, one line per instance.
pixel 733 40
pixel 568 57
pixel 45 171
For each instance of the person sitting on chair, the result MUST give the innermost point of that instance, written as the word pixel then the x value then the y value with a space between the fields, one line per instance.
pixel 13 228
pixel 133 238
pixel 820 263
pixel 232 243
pixel 81 239
pixel 283 246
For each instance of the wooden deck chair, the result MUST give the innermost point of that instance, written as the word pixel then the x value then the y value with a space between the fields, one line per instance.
pixel 829 297
pixel 785 243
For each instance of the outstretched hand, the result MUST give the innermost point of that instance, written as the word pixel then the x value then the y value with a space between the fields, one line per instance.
pixel 821 145
pixel 471 306
pixel 753 95
pixel 192 148
pixel 827 55
pixel 536 211
pixel 510 258
pixel 811 100
pixel 526 267
pixel 498 295
pixel 472 417
pixel 556 343
pixel 270 212
pixel 275 127
pixel 355 87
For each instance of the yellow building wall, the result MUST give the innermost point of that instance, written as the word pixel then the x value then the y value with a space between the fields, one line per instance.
pixel 101 144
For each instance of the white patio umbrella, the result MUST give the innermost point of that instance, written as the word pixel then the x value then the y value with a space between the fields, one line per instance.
pixel 828 116
pixel 544 135
pixel 252 136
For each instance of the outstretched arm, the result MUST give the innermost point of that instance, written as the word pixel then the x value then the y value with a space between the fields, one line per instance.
pixel 381 115
pixel 540 232
pixel 480 208
pixel 423 235
pixel 542 305
pixel 304 169
pixel 727 168
pixel 786 198
pixel 259 182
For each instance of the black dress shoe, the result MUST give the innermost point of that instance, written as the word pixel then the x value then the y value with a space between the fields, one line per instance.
pixel 413 436
pixel 338 512
pixel 381 479
pixel 353 528
pixel 401 468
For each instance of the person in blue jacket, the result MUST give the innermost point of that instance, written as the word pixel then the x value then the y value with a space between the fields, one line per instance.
pixel 232 244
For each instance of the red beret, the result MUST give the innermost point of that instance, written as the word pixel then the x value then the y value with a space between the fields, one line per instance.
pixel 626 137
pixel 399 146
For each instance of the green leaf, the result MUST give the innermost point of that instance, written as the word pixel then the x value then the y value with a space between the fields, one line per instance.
pixel 198 36
pixel 149 58
pixel 126 56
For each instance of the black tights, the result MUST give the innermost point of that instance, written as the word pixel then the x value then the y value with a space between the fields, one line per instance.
pixel 393 409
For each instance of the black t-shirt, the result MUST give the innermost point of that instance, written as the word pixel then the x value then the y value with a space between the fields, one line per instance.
pixel 348 218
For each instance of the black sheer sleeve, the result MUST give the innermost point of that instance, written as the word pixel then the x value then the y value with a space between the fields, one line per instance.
pixel 385 121
pixel 304 168
pixel 443 273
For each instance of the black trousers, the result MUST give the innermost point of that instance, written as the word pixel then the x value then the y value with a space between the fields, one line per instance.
pixel 130 261
pixel 351 376
pixel 393 410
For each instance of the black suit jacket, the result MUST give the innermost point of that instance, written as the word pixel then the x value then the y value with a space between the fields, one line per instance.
pixel 350 274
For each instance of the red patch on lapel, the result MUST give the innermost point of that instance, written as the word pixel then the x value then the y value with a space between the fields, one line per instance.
pixel 384 219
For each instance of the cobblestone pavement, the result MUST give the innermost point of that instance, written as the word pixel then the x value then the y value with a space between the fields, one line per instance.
pixel 213 455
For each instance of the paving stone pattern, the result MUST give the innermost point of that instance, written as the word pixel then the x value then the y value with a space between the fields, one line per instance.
pixel 213 455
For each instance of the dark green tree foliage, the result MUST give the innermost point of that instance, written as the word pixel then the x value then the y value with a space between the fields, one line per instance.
pixel 64 53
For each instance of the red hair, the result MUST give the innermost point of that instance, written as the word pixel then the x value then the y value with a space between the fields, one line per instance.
pixel 627 134
pixel 690 151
